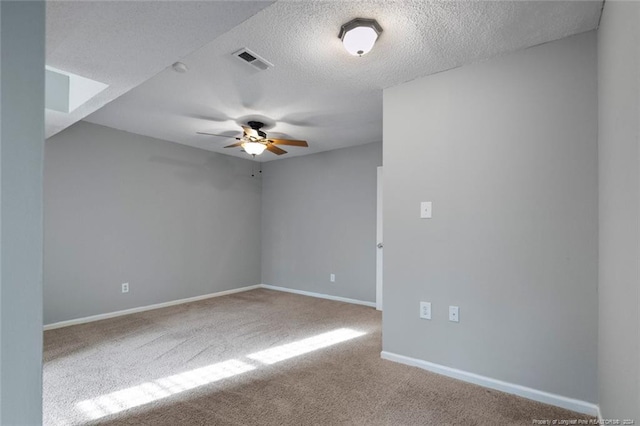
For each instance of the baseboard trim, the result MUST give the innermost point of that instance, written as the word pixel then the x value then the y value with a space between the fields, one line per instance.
pixel 319 295
pixel 523 391
pixel 146 308
pixel 108 315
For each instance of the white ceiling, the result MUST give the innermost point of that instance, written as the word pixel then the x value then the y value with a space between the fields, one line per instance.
pixel 124 43
pixel 317 91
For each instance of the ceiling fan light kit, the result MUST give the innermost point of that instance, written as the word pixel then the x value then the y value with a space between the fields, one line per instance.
pixel 359 35
pixel 254 148
pixel 254 141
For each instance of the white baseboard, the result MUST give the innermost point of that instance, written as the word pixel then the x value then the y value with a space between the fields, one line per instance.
pixel 319 295
pixel 146 308
pixel 523 391
pixel 195 299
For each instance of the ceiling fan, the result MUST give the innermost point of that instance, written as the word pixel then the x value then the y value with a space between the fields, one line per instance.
pixel 255 141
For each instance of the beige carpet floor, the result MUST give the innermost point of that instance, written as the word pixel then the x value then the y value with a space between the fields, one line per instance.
pixel 256 358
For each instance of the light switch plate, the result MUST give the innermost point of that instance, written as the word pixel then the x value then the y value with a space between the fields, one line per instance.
pixel 425 210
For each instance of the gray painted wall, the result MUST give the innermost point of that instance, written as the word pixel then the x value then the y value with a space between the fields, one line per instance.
pixel 172 221
pixel 506 151
pixel 619 174
pixel 318 218
pixel 21 140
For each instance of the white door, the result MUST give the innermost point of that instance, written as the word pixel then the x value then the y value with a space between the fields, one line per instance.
pixel 379 242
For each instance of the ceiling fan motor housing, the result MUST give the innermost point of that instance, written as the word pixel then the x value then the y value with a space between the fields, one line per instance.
pixel 257 125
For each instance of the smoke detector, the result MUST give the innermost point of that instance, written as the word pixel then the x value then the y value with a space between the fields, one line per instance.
pixel 249 57
pixel 180 67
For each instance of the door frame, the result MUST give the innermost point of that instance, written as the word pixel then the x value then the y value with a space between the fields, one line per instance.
pixel 379 239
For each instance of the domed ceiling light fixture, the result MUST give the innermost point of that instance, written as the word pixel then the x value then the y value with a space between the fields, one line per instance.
pixel 359 35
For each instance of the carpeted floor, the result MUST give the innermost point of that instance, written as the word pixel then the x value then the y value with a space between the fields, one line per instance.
pixel 256 358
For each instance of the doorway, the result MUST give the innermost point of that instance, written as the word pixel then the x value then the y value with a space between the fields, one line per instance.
pixel 379 243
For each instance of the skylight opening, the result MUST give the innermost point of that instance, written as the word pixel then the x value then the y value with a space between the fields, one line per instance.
pixel 65 92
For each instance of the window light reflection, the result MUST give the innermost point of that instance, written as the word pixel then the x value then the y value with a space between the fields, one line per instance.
pixel 301 347
pixel 145 393
pixel 151 391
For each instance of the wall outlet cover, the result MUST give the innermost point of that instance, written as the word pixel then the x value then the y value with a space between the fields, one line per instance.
pixel 425 210
pixel 425 310
pixel 454 314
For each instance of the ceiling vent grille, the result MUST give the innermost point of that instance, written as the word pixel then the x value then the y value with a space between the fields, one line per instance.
pixel 248 57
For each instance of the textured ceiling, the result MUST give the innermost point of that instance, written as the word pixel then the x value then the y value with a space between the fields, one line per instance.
pixel 317 91
pixel 124 43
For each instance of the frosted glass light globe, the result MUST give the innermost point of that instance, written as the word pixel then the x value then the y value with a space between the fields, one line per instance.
pixel 254 148
pixel 360 40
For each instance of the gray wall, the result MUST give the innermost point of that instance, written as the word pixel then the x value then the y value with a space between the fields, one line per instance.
pixel 170 220
pixel 318 218
pixel 21 140
pixel 619 174
pixel 506 151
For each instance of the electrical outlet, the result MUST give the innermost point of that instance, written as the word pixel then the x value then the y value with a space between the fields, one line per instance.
pixel 454 314
pixel 425 310
pixel 125 287
pixel 332 278
pixel 425 210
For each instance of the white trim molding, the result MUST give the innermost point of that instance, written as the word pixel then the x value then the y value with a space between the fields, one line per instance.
pixel 319 295
pixel 146 308
pixel 583 407
pixel 197 298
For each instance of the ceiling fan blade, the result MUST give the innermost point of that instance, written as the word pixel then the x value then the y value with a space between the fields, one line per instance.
pixel 233 145
pixel 272 148
pixel 214 134
pixel 290 142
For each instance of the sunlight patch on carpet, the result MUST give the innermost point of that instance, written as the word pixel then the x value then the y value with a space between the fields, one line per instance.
pixel 301 347
pixel 155 390
pixel 152 391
